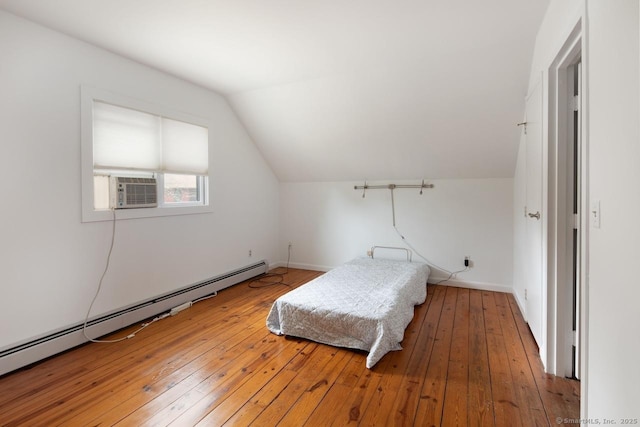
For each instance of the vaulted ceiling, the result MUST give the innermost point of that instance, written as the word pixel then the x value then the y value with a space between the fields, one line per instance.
pixel 334 90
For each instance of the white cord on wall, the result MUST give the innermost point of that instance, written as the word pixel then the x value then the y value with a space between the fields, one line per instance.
pixel 410 246
pixel 104 273
pixel 95 297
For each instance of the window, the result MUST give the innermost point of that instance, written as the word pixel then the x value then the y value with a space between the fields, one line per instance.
pixel 181 189
pixel 128 138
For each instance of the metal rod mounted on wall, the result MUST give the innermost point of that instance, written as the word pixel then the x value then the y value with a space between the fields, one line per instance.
pixel 391 187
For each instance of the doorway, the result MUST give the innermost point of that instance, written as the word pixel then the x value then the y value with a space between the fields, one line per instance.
pixel 575 223
pixel 566 245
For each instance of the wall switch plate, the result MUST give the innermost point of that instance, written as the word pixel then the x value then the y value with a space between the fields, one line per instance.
pixel 594 214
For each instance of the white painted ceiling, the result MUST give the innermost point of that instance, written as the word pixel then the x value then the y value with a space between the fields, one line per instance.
pixel 334 90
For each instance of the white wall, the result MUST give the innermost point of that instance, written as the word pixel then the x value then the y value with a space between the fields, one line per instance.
pixel 557 26
pixel 558 23
pixel 50 261
pixel 611 375
pixel 614 174
pixel 330 223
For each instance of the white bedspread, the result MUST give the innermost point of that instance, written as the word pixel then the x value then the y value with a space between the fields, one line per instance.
pixel 365 304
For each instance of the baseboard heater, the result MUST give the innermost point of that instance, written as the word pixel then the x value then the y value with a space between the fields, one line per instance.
pixel 55 342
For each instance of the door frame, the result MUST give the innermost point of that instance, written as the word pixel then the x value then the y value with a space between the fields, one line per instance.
pixel 558 255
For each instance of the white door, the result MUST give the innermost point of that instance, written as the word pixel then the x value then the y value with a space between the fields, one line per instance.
pixel 533 212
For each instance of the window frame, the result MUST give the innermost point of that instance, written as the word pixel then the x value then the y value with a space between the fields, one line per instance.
pixel 89 213
pixel 201 188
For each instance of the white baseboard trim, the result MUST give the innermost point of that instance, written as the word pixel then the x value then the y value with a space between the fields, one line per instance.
pixel 521 305
pixel 481 286
pixel 302 266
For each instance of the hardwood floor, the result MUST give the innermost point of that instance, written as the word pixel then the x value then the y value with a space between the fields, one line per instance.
pixel 468 359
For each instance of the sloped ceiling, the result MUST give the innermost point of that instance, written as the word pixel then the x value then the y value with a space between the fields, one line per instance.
pixel 334 90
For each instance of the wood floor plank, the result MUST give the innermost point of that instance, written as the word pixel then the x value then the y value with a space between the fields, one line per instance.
pixel 167 388
pixel 506 409
pixel 335 401
pixel 228 369
pixel 403 411
pixel 480 404
pixel 325 414
pixel 468 358
pixel 454 412
pixel 181 353
pixel 560 396
pixel 173 377
pixel 322 356
pixel 218 406
pixel 354 404
pixel 220 377
pixel 248 412
pixel 385 402
pixel 529 401
pixel 429 411
pixel 353 371
pixel 302 410
pixel 239 320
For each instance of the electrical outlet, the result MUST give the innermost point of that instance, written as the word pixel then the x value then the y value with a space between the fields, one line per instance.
pixel 250 252
pixel 290 244
pixel 525 294
pixel 467 261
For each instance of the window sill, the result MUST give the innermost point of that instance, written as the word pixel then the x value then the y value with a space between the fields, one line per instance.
pixel 107 215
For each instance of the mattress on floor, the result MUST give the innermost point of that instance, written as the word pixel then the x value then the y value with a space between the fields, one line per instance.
pixel 365 304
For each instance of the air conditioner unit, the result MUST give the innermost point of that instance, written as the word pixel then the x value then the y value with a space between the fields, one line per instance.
pixel 129 192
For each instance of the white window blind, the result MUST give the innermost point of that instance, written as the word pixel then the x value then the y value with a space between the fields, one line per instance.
pixel 132 140
pixel 184 147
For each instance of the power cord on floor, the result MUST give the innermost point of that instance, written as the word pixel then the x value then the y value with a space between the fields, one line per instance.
pixel 278 276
